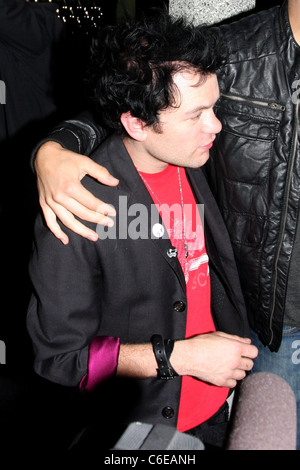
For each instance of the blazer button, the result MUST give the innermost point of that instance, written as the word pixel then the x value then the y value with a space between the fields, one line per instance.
pixel 168 412
pixel 179 306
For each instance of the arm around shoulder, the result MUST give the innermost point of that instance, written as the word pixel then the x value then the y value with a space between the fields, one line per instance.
pixel 59 174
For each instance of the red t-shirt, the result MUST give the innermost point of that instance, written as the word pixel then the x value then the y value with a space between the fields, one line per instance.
pixel 198 400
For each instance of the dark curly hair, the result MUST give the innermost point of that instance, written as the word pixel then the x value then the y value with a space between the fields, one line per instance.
pixel 133 64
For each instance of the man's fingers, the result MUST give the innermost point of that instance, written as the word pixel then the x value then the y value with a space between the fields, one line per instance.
pixel 83 204
pixel 250 351
pixel 100 173
pixel 233 337
pixel 75 226
pixel 52 224
pixel 231 383
pixel 72 209
pixel 69 221
pixel 246 364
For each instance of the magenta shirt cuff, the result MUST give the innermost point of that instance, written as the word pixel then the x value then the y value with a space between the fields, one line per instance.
pixel 102 362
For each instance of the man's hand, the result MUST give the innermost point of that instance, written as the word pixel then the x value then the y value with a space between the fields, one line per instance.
pixel 217 358
pixel 61 194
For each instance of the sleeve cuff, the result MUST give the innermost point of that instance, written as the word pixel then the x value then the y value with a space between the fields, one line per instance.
pixel 102 362
pixel 65 137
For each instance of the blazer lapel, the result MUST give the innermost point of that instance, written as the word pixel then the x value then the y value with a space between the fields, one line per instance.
pixel 141 208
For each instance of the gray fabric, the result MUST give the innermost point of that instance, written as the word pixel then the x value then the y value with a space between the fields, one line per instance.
pixel 143 436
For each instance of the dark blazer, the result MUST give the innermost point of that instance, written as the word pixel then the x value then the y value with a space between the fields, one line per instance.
pixel 125 288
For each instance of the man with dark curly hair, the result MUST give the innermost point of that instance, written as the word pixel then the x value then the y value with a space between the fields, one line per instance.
pixel 150 318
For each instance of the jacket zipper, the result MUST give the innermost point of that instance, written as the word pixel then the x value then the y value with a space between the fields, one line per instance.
pixel 295 142
pixel 276 106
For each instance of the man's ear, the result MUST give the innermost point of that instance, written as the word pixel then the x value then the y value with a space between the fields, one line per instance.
pixel 134 127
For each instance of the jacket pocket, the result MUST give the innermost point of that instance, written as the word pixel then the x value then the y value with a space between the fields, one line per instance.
pixel 245 145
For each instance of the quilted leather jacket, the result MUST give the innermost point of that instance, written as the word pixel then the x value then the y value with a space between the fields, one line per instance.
pixel 255 164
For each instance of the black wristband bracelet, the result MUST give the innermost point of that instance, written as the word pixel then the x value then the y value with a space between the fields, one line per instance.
pixel 162 350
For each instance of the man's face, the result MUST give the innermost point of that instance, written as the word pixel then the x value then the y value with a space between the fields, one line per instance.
pixel 188 130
